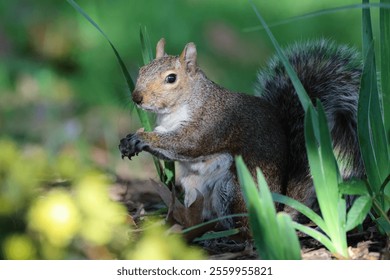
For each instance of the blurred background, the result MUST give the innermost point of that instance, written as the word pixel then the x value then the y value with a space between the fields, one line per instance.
pixel 61 88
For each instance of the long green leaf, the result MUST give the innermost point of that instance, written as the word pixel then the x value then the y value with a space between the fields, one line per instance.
pixel 383 6
pixel 146 46
pixel 290 239
pixel 126 74
pixel 354 187
pixel 358 212
pixel 267 206
pixel 301 208
pixel 385 67
pixel 166 174
pixel 217 234
pixel 303 97
pixel 253 204
pixel 325 175
pixel 323 239
pixel 142 116
pixel 385 83
pixel 274 237
pixel 322 168
pixel 266 216
pixel 373 141
pixel 189 229
pixel 384 225
pixel 368 84
pixel 371 131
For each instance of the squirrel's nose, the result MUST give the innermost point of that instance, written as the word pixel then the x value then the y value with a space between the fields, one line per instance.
pixel 137 97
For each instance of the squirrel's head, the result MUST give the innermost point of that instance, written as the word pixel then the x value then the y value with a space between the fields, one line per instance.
pixel 164 83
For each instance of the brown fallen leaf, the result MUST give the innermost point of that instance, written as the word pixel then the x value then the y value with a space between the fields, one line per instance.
pixel 184 216
pixel 177 209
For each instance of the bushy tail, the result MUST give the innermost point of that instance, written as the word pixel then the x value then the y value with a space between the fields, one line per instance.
pixel 332 74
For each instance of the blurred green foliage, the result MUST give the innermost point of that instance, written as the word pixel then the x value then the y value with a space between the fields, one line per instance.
pixel 55 66
pixel 57 71
pixel 58 39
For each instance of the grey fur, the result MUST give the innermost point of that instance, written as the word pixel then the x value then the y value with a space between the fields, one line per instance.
pixel 211 123
pixel 330 73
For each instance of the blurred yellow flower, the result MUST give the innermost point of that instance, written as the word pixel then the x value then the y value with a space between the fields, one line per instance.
pixel 56 217
pixel 19 247
pixel 101 216
pixel 157 244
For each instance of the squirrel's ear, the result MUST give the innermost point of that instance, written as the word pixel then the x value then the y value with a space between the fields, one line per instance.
pixel 188 56
pixel 160 52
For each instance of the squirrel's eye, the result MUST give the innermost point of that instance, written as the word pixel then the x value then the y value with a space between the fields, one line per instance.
pixel 171 78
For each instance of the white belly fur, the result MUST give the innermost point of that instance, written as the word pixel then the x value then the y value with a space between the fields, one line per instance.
pixel 213 179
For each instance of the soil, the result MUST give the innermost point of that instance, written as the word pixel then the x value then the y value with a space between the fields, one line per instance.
pixel 142 199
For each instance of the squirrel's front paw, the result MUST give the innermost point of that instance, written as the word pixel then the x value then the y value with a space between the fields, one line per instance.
pixel 131 145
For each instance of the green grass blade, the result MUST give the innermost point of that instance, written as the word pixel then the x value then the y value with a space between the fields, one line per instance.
pixel 384 225
pixel 217 234
pixel 342 221
pixel 285 224
pixel 147 53
pixel 385 65
pixel 385 193
pixel 284 238
pixel 142 116
pixel 364 123
pixel 189 229
pixel 272 235
pixel 371 131
pixel 379 137
pixel 381 212
pixel 255 215
pixel 387 198
pixel 266 219
pixel 325 175
pixel 374 144
pixel 354 187
pixel 126 74
pixel 370 79
pixel 358 212
pixel 267 206
pixel 383 6
pixel 367 31
pixel 385 183
pixel 323 239
pixel 322 163
pixel 148 56
pixel 303 97
pixel 301 208
pixel 167 175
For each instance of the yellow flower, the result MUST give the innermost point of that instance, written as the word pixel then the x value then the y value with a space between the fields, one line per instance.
pixel 102 217
pixel 56 217
pixel 19 247
pixel 157 244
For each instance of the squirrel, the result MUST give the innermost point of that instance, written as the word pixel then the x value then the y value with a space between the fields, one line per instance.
pixel 203 126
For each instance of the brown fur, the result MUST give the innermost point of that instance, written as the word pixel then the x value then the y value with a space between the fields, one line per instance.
pixel 206 121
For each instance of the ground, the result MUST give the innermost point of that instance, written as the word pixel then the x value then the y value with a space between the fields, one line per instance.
pixel 141 198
